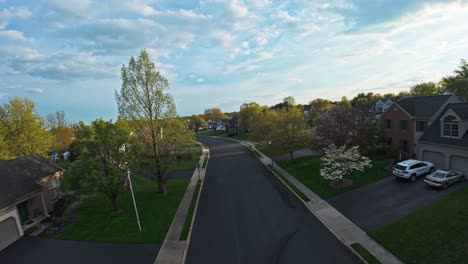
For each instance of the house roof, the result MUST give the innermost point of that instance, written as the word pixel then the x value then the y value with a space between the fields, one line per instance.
pixel 18 177
pixel 422 106
pixel 432 133
pixel 307 107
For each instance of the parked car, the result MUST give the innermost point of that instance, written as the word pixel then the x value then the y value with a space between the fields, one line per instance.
pixel 410 169
pixel 444 178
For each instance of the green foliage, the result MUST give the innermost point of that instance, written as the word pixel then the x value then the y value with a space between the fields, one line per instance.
pixel 61 132
pixel 145 102
pixel 425 89
pixel 457 83
pixel 22 130
pixel 317 107
pixel 248 113
pixel 433 234
pixel 365 254
pixel 214 114
pixel 345 101
pixel 105 153
pixel 196 122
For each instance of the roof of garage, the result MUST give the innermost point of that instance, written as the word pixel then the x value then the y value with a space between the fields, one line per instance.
pixel 18 177
pixel 432 133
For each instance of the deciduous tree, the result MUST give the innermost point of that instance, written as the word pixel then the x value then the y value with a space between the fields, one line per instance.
pixel 317 107
pixel 214 114
pixel 196 122
pixel 61 131
pixel 337 162
pixel 22 130
pixel 145 102
pixel 343 126
pixel 457 83
pixel 248 113
pixel 425 89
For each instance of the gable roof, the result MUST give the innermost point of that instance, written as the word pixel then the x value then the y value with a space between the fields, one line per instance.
pixel 18 177
pixel 432 133
pixel 422 106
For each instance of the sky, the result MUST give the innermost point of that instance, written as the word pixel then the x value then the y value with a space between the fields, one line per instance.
pixel 67 55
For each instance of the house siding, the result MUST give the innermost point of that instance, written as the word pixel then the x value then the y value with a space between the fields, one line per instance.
pixel 396 115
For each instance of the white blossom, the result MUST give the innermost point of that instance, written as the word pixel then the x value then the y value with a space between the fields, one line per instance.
pixel 339 162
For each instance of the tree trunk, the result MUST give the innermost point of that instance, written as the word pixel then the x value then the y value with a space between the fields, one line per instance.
pixel 113 199
pixel 160 176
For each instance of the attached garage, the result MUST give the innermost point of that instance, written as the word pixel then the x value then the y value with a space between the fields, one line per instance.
pixel 9 232
pixel 435 157
pixel 459 163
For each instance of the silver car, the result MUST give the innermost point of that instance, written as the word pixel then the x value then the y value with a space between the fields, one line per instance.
pixel 443 178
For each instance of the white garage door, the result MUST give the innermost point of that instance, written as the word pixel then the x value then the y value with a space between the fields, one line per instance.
pixel 8 232
pixel 459 164
pixel 435 157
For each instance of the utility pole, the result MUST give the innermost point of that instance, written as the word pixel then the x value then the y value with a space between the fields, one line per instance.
pixel 133 196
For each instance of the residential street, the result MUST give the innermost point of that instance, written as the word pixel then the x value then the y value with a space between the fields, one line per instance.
pixel 51 251
pixel 383 202
pixel 246 215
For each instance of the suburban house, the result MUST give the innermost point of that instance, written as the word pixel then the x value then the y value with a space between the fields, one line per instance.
pixel 445 141
pixel 407 118
pixel 306 109
pixel 382 105
pixel 28 190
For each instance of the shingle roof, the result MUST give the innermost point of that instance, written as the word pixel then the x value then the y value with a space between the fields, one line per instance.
pixel 422 106
pixel 433 132
pixel 18 177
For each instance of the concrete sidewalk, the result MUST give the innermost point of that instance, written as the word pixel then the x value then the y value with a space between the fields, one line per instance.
pixel 173 250
pixel 338 224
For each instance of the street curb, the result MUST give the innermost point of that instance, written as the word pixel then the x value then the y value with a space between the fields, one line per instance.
pixel 187 242
pixel 172 250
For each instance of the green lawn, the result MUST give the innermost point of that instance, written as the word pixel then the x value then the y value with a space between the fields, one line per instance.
pixel 188 164
pixel 188 219
pixel 264 148
pixel 95 221
pixel 365 254
pixel 437 233
pixel 307 170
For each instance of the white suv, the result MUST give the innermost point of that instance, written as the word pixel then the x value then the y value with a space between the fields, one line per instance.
pixel 410 169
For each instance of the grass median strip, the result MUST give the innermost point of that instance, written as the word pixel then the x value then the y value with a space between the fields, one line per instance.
pixel 433 234
pixel 294 188
pixel 188 219
pixel 365 254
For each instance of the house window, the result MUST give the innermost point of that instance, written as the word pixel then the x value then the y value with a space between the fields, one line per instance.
pixel 404 125
pixel 388 124
pixel 404 146
pixel 421 126
pixel 450 127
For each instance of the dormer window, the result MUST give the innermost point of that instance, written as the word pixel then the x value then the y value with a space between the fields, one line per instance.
pixel 450 127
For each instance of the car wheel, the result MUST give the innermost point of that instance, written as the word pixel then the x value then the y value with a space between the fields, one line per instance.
pixel 445 185
pixel 413 177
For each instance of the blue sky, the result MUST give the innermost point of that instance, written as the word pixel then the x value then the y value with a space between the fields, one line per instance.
pixel 67 55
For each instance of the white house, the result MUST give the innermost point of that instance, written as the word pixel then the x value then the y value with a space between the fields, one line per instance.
pixel 382 105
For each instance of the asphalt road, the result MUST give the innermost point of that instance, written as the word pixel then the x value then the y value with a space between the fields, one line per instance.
pixel 385 201
pixel 246 215
pixel 50 251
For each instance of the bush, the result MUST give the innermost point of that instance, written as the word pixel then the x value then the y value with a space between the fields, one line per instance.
pixel 383 150
pixel 184 156
pixel 232 133
pixel 62 203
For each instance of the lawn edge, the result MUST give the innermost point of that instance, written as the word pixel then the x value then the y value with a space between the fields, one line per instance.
pixel 365 252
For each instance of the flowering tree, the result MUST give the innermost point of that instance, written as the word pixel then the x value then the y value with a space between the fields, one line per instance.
pixel 339 162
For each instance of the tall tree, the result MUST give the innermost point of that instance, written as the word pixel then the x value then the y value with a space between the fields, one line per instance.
pixel 345 101
pixel 248 114
pixel 343 126
pixel 289 100
pixel 196 122
pixel 104 158
pixel 425 89
pixel 317 107
pixel 60 129
pixel 145 102
pixel 262 125
pixel 214 114
pixel 290 131
pixel 23 130
pixel 458 83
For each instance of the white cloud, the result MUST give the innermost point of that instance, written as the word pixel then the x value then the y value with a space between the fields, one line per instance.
pixel 13 35
pixel 35 90
pixel 238 8
pixel 7 14
pixel 245 44
pixel 261 3
pixel 224 38
pixel 200 80
pixel 74 8
pixel 285 17
pixel 249 64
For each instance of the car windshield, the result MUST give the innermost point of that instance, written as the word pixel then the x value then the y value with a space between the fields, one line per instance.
pixel 400 167
pixel 438 174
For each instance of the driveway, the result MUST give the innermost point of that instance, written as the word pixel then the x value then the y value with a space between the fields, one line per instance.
pixel 50 251
pixel 385 201
pixel 246 215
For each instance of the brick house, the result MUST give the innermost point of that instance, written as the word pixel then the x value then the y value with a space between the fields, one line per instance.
pixel 28 190
pixel 407 118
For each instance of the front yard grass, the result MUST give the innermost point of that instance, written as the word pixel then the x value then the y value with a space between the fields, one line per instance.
pixel 94 220
pixel 437 233
pixel 188 164
pixel 307 171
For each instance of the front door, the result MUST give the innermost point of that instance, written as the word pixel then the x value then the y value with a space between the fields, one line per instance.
pixel 23 212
